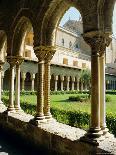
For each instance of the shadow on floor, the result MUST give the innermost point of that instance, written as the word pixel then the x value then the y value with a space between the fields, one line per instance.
pixel 13 145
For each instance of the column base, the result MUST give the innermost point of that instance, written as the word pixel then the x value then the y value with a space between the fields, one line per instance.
pixel 93 136
pixel 11 109
pixel 19 110
pixel 105 130
pixel 37 121
pixel 48 116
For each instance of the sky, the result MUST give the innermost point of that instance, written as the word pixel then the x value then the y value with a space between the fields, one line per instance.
pixel 74 14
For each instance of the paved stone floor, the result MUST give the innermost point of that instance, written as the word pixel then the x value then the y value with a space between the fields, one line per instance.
pixel 10 146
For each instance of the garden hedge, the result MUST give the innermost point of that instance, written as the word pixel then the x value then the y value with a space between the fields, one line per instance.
pixel 73 118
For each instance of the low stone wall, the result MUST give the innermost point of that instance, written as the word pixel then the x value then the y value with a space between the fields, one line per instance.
pixel 53 136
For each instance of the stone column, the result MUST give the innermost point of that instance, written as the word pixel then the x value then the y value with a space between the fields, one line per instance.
pixel 73 80
pixel 56 83
pixel 23 81
pixel 67 87
pixel 11 89
pixel 95 43
pixel 49 54
pixel 1 68
pixel 102 93
pixel 78 84
pixel 18 60
pixel 62 80
pixel 40 52
pixel 32 84
pixel 2 85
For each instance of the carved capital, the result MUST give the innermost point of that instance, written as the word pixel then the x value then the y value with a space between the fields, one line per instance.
pixel 44 53
pixel 98 43
pixel 15 60
pixel 1 65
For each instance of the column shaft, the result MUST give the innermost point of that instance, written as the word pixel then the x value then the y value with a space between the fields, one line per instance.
pixel 56 87
pixel 11 90
pixel 32 82
pixel 40 93
pixel 0 83
pixel 47 91
pixel 102 93
pixel 72 85
pixel 95 92
pixel 67 88
pixel 62 85
pixel 17 89
pixel 23 82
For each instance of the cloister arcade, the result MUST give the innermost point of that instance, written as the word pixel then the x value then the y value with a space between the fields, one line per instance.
pixel 44 17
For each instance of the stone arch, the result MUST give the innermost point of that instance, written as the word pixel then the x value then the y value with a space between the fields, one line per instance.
pixel 22 27
pixel 3 45
pixel 52 18
pixel 106 7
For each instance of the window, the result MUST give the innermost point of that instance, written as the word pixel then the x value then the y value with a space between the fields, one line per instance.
pixel 28 41
pixel 28 53
pixel 70 44
pixel 65 61
pixel 75 63
pixel 83 65
pixel 62 42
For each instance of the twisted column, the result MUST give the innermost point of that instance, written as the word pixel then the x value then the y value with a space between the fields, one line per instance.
pixel 49 54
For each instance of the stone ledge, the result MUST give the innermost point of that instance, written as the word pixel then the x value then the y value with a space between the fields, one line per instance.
pixel 54 136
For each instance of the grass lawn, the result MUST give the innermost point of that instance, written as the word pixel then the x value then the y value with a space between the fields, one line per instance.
pixel 61 101
pixel 69 112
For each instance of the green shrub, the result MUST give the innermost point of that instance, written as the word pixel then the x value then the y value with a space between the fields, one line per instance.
pixel 108 98
pixel 73 118
pixel 79 97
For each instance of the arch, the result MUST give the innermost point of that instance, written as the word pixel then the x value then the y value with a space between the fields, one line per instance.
pixel 107 7
pixel 21 29
pixel 52 18
pixel 3 45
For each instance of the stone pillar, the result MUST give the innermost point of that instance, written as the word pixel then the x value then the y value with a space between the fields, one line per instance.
pixel 102 93
pixel 56 83
pixel 78 84
pixel 62 80
pixel 95 43
pixel 32 84
pixel 1 68
pixel 67 86
pixel 11 89
pixel 23 81
pixel 49 54
pixel 18 60
pixel 73 80
pixel 2 85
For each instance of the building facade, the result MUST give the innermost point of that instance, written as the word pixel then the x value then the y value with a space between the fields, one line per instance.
pixel 72 55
